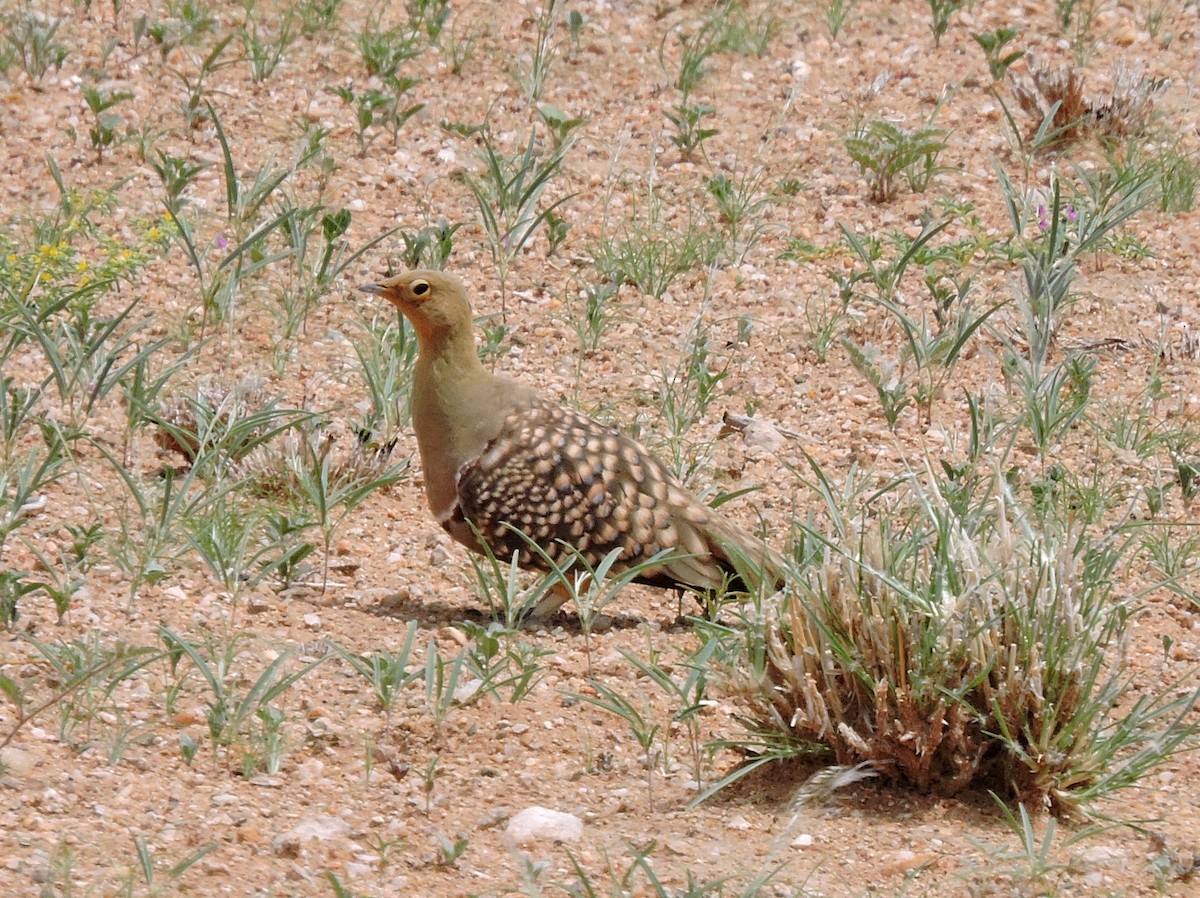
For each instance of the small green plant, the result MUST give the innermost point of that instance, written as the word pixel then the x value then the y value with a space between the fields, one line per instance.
pixel 375 106
pixel 429 247
pixel 227 538
pixel 591 587
pixel 450 851
pixel 82 675
pixel 429 777
pixel 1059 233
pixel 1173 549
pixel 177 175
pixel 931 350
pixel 1178 180
pixel 148 876
pixel 993 43
pixel 388 673
pixel 589 310
pixel 826 318
pixel 509 197
pixel 429 16
pixel 532 72
pixel 575 23
pixel 196 106
pixel 884 152
pixel 501 660
pixel 1054 400
pixel 561 126
pixel 641 722
pixel 243 726
pixel 332 485
pixel 1078 20
pixel 320 254
pixel 186 24
pixel 460 49
pixel 836 14
pixel 690 130
pixel 103 131
pixel 317 15
pixel 694 51
pixel 684 393
pixel 340 889
pixel 790 187
pixel 1155 13
pixel 30 36
pixel 510 595
pixel 264 51
pixel 741 203
pixel 384 51
pixel 442 677
pixel 386 354
pixel 688 689
pixel 941 11
pixel 884 375
pixel 651 253
pixel 1033 865
pixel 736 30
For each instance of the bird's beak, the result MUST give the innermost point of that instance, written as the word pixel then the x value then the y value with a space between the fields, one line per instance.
pixel 371 288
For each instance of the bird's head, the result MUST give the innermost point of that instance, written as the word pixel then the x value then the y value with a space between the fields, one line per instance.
pixel 432 300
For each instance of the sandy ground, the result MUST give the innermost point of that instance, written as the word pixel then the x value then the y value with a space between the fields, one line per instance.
pixel 370 797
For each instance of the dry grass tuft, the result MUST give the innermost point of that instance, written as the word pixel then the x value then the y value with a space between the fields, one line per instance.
pixel 1125 110
pixel 183 420
pixel 954 645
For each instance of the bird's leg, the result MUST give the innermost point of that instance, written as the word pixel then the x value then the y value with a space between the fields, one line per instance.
pixel 556 596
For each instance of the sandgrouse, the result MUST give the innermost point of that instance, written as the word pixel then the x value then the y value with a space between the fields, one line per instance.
pixel 498 456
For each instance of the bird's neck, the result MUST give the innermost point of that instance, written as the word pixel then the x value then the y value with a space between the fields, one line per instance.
pixel 449 355
pixel 454 400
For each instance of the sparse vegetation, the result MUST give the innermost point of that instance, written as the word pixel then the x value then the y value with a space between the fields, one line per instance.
pixel 952 328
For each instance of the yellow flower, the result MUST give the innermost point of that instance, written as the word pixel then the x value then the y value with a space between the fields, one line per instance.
pixel 81 265
pixel 11 259
pixel 154 233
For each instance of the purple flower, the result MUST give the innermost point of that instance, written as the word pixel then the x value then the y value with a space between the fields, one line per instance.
pixel 1072 215
pixel 222 241
pixel 1043 222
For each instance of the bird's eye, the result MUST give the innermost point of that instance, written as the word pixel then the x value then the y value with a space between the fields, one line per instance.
pixel 420 288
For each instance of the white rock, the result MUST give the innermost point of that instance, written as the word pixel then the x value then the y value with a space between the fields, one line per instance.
pixel 1101 857
pixel 538 824
pixel 467 691
pixel 17 761
pixel 320 827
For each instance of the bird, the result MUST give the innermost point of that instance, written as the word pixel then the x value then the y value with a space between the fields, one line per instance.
pixel 506 466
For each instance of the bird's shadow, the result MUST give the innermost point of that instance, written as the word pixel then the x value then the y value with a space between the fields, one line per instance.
pixel 437 613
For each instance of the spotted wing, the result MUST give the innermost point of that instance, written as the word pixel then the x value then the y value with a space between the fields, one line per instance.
pixel 561 477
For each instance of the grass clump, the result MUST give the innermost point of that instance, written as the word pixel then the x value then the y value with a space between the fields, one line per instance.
pixel 1056 95
pixel 884 152
pixel 953 639
pixel 650 251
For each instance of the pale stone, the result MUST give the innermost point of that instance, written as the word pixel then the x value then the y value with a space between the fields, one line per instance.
pixel 538 824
